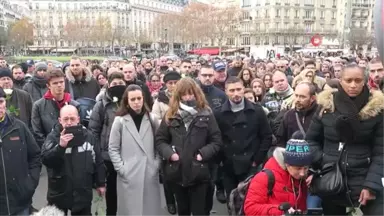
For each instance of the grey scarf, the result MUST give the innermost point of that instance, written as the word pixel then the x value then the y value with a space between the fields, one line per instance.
pixel 284 94
pixel 236 107
pixel 187 114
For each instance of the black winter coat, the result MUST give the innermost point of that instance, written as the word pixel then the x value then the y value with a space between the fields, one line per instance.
pixel 22 101
pixel 202 137
pixel 362 160
pixel 72 171
pixel 289 124
pixel 36 88
pixel 87 87
pixel 45 114
pixel 20 166
pixel 214 96
pixel 246 136
pixel 100 124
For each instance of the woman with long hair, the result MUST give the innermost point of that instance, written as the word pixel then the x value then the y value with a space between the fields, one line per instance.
pixel 267 80
pixel 258 88
pixel 132 152
pixel 246 76
pixel 261 70
pixel 189 139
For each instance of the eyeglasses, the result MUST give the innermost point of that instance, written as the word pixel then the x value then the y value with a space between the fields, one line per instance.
pixel 207 75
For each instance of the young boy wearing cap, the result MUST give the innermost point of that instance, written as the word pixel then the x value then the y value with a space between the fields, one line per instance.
pixel 289 167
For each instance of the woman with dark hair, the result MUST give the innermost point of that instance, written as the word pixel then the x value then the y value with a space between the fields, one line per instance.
pixel 132 152
pixel 258 88
pixel 246 76
pixel 267 80
pixel 189 139
pixel 261 70
pixel 101 79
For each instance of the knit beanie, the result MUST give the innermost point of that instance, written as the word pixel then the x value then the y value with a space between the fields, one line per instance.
pixel 171 76
pixel 297 153
pixel 5 72
pixel 41 66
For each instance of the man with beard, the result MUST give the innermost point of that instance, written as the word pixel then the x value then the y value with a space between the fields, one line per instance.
pixel 19 102
pixel 148 68
pixel 80 82
pixel 186 69
pixel 299 117
pixel 246 135
pixel 100 124
pixel 213 95
pixel 18 76
pixel 37 86
pixel 220 74
pixel 376 73
pixel 215 98
pixel 130 77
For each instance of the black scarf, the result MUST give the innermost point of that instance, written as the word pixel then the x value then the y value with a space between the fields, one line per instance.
pixel 41 82
pixel 137 117
pixel 348 123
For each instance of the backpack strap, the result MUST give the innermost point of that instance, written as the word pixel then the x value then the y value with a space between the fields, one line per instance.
pixel 271 181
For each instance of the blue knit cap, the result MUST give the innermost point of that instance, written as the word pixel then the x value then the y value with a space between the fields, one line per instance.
pixel 297 153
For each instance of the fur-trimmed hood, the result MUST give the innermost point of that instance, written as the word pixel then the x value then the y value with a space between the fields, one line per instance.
pixel 87 75
pixel 373 108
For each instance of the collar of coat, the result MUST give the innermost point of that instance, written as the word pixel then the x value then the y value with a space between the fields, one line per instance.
pixel 278 154
pixel 87 75
pixel 373 108
pixel 226 107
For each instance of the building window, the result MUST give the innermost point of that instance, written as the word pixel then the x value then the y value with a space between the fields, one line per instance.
pixel 333 15
pixel 307 14
pixel 286 12
pixel 322 14
pixel 296 13
pixel 277 26
pixel 277 12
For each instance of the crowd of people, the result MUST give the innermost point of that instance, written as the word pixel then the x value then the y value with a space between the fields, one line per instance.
pixel 309 133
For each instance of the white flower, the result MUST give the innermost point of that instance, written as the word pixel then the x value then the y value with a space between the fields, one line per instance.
pixel 272 91
pixel 115 99
pixel 8 91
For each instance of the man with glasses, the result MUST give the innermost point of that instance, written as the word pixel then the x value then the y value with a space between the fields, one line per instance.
pixel 45 111
pixel 130 77
pixel 38 83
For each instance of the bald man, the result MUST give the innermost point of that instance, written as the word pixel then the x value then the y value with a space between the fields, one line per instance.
pixel 73 167
pixel 130 77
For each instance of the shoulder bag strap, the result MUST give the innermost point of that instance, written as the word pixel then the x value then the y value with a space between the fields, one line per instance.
pixel 299 124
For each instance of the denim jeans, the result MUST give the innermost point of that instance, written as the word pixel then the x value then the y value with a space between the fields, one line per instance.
pixel 24 212
pixel 313 201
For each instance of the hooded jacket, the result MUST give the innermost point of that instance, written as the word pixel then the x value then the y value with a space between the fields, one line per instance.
pixel 362 160
pixel 86 87
pixel 160 106
pixel 100 123
pixel 286 189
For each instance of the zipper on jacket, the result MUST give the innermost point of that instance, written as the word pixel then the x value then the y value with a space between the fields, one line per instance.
pixel 5 175
pixel 5 181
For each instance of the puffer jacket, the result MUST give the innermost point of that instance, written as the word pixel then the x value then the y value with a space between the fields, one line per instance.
pixel 45 114
pixel 100 124
pixel 72 172
pixel 20 166
pixel 362 160
pixel 202 137
pixel 160 106
pixel 285 189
